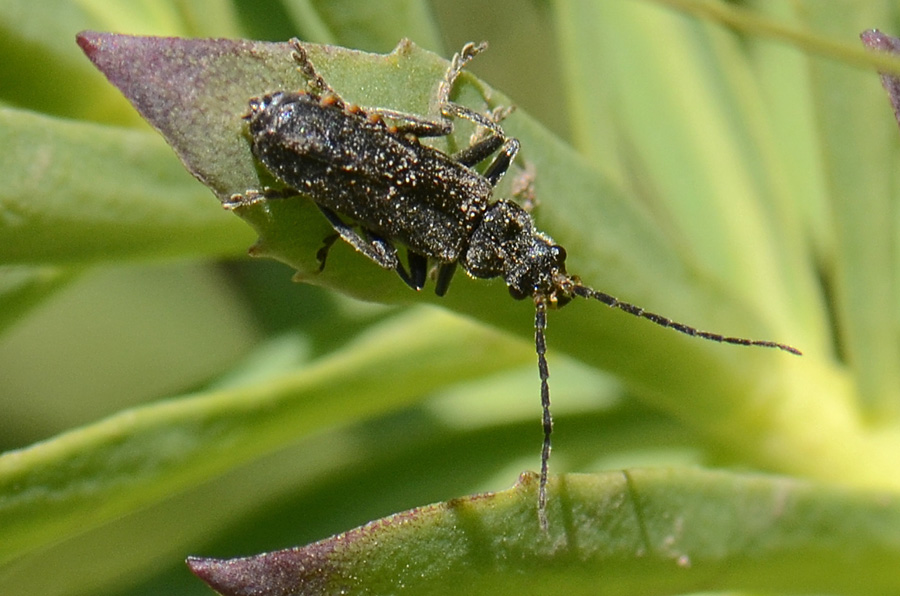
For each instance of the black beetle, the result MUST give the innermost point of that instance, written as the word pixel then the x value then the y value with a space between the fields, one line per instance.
pixel 393 189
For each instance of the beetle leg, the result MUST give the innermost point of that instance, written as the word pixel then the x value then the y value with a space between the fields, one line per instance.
pixel 414 125
pixel 451 109
pixel 495 138
pixel 445 274
pixel 501 163
pixel 481 150
pixel 459 61
pixel 314 79
pixel 418 269
pixel 378 249
pixel 454 110
pixel 423 127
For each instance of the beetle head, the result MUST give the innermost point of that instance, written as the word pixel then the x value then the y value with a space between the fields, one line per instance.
pixel 506 244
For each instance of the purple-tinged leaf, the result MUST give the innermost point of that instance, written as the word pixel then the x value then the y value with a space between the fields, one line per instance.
pixel 196 91
pixel 641 531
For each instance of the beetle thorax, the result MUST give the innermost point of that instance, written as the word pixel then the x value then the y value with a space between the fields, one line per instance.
pixel 506 244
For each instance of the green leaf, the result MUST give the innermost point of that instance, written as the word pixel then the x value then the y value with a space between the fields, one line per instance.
pixel 477 436
pixel 223 75
pixel 827 416
pixel 371 26
pixel 59 488
pixel 859 148
pixel 76 192
pixel 724 194
pixel 607 235
pixel 21 288
pixel 44 74
pixel 631 532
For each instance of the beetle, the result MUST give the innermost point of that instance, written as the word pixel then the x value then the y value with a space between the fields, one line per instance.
pixel 379 186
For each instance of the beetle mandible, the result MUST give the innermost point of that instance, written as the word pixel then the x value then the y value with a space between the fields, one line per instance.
pixel 379 186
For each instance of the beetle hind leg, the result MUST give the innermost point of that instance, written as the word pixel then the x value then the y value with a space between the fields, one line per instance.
pixel 377 249
pixel 314 79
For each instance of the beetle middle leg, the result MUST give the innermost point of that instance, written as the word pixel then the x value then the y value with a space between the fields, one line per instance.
pixel 412 124
pixel 423 127
pixel 450 109
pixel 444 276
pixel 496 137
pixel 480 148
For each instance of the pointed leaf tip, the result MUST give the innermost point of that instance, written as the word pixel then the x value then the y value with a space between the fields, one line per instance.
pixel 195 92
pixel 880 42
pixel 636 530
pixel 876 40
pixel 281 573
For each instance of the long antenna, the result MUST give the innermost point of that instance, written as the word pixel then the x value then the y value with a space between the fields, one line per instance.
pixel 540 345
pixel 612 302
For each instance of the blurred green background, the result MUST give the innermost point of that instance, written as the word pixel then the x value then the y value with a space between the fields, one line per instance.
pixel 86 337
